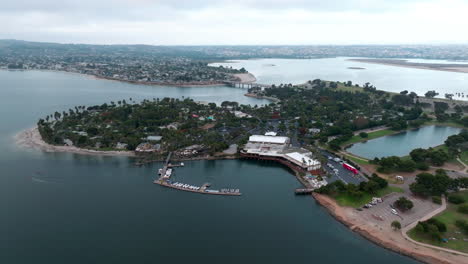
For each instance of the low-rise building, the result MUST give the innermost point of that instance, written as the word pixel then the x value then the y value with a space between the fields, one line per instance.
pixel 279 149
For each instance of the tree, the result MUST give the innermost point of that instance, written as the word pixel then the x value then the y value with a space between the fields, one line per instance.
pixel 403 204
pixel 431 94
pixel 427 184
pixel 363 135
pixel 396 225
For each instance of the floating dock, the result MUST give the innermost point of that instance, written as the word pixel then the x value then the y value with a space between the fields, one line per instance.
pixel 167 171
pixel 203 189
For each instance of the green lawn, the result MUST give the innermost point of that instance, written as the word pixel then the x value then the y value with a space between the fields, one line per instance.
pixel 464 157
pixel 449 123
pixel 372 135
pixel 342 87
pixel 346 200
pixel 357 160
pixel 449 216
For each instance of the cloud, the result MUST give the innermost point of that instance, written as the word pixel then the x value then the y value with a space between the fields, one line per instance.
pixel 236 22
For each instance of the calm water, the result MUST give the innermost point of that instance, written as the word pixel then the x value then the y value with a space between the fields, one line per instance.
pixel 403 143
pixel 388 78
pixel 67 208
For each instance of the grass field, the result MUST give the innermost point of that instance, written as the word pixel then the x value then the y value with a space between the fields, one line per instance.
pixel 450 124
pixel 342 87
pixel 372 135
pixel 357 160
pixel 346 200
pixel 449 216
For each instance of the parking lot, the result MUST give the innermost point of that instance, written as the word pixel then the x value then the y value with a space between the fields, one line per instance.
pixel 382 214
pixel 343 174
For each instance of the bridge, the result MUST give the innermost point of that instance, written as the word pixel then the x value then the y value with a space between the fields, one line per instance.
pixel 246 85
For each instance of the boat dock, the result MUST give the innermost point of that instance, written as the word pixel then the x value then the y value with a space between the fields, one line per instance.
pixel 166 172
pixel 203 189
pixel 304 191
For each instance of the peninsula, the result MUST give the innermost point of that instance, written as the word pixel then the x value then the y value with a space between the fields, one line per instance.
pixel 305 128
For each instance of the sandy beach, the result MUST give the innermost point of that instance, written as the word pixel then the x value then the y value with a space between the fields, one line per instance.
pixel 385 236
pixel 246 77
pixel 31 138
pixel 462 68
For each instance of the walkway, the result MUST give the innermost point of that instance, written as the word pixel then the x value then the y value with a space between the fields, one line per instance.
pixel 427 217
pixel 464 164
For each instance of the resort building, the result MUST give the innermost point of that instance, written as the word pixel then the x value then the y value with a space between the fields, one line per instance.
pixel 279 149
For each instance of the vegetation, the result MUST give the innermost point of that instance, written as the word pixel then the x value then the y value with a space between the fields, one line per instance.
pixel 422 158
pixel 427 184
pixel 456 198
pixel 403 204
pixel 181 123
pixel 370 135
pixel 436 199
pixel 396 225
pixel 356 196
pixel 463 209
pixel 456 228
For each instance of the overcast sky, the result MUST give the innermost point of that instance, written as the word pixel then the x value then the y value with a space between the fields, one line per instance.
pixel 194 22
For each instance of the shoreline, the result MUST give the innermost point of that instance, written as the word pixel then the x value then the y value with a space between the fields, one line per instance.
pixel 31 138
pixel 386 238
pixel 245 77
pixel 242 77
pixel 459 68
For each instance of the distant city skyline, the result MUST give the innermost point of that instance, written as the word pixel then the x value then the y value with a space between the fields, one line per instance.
pixel 241 22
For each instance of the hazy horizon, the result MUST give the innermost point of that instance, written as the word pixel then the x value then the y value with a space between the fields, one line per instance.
pixel 242 22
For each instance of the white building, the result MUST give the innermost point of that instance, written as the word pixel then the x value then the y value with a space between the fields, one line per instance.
pixel 304 160
pixel 279 148
pixel 269 139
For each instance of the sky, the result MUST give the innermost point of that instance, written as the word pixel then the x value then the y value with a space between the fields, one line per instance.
pixel 236 22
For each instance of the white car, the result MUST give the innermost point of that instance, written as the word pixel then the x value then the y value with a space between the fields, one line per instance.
pixel 394 212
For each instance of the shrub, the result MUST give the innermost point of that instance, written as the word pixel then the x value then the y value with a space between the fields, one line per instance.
pixel 463 209
pixel 363 135
pixel 403 204
pixel 456 199
pixel 396 225
pixel 440 225
pixel 463 225
pixel 422 166
pixel 436 200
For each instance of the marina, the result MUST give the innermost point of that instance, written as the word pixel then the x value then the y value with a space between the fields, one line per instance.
pixel 167 171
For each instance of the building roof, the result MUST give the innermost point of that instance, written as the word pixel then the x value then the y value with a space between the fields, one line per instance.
pixel 299 157
pixel 153 138
pixel 269 139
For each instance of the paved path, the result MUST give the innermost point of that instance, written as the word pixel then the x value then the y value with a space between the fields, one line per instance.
pixel 428 216
pixel 466 166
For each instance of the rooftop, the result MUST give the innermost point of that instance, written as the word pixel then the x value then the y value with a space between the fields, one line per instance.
pixel 269 139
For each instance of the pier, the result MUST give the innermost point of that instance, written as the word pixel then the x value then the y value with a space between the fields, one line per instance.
pixel 166 172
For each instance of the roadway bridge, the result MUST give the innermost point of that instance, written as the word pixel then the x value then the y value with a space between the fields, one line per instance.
pixel 247 85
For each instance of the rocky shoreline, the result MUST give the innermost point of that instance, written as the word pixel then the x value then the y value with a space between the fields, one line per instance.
pixel 386 238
